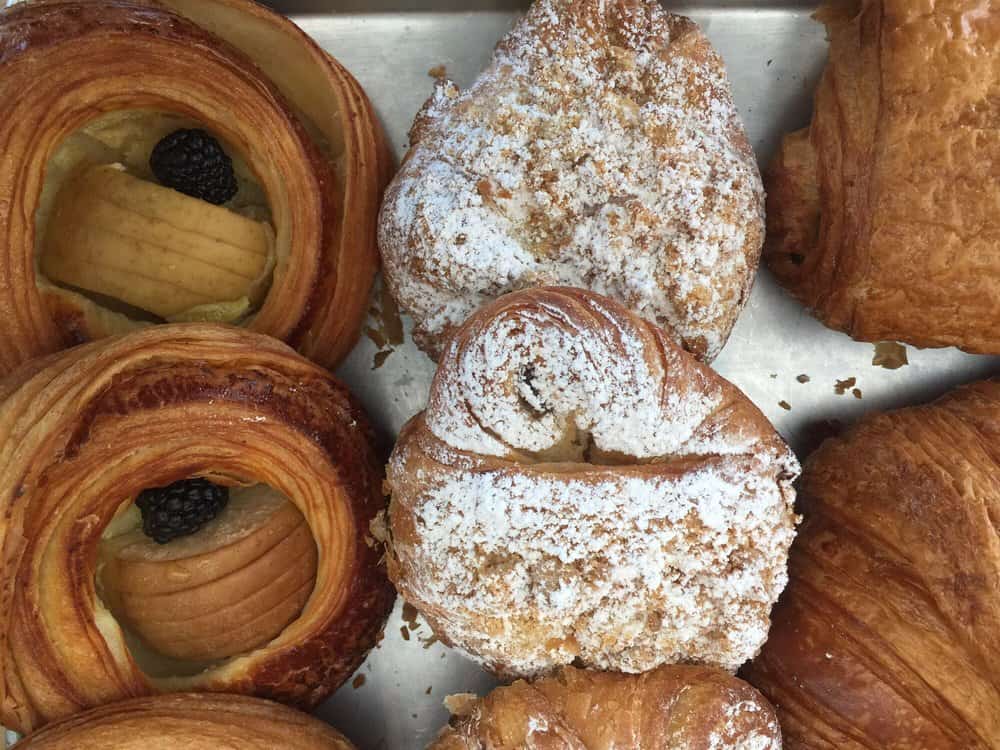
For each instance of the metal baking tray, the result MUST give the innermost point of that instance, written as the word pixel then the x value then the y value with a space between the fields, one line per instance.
pixel 798 372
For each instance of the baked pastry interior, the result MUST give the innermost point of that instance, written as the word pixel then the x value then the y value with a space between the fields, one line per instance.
pixel 112 229
pixel 188 601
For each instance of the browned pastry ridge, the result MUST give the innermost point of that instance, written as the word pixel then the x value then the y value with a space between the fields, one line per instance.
pixel 882 215
pixel 888 635
pixel 669 708
pixel 188 721
pixel 86 429
pixel 301 123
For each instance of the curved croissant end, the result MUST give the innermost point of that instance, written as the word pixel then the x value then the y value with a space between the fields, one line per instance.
pixel 191 721
pixel 86 429
pixel 65 63
pixel 671 707
pixel 579 488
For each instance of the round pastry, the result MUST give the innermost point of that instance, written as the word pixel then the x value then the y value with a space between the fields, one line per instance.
pixel 181 161
pixel 186 508
pixel 190 721
pixel 601 149
pixel 580 489
pixel 888 635
pixel 670 708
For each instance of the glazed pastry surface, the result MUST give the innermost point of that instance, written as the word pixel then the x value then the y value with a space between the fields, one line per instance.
pixel 579 488
pixel 188 721
pixel 888 635
pixel 882 215
pixel 671 708
pixel 84 431
pixel 600 149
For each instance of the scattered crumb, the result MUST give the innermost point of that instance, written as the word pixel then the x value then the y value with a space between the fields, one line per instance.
pixel 358 681
pixel 410 615
pixel 769 62
pixel 413 715
pixel 890 355
pixel 385 327
pixel 404 631
pixel 803 378
pixel 774 376
pixel 828 655
pixel 380 358
pixel 857 393
pixel 785 405
pixel 430 641
pixel 428 690
pixel 843 386
pixel 438 71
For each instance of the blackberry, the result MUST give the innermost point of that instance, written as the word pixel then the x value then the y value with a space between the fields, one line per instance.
pixel 180 509
pixel 192 162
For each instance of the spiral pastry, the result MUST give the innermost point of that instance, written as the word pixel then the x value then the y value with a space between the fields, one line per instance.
pixel 93 84
pixel 581 489
pixel 190 721
pixel 84 431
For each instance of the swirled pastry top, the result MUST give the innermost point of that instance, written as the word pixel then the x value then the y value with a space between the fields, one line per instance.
pixel 883 214
pixel 600 149
pixel 580 488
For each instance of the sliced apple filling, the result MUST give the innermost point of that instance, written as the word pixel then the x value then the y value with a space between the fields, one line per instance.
pixel 155 249
pixel 225 590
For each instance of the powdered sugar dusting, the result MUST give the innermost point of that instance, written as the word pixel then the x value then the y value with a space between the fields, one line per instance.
pixel 527 551
pixel 601 149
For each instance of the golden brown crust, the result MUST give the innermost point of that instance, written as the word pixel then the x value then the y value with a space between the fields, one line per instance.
pixel 888 635
pixel 65 62
pixel 188 721
pixel 671 707
pixel 93 426
pixel 882 215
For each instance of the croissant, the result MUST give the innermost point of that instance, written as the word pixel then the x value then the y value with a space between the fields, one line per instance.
pixel 670 708
pixel 882 214
pixel 93 84
pixel 580 489
pixel 888 635
pixel 600 149
pixel 83 432
pixel 190 721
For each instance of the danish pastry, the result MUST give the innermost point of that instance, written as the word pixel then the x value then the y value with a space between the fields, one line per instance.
pixel 190 721
pixel 579 489
pixel 888 635
pixel 601 149
pixel 211 490
pixel 882 215
pixel 162 165
pixel 670 708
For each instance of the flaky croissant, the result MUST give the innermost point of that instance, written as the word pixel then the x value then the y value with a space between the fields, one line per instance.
pixel 188 721
pixel 580 488
pixel 671 708
pixel 299 121
pixel 882 215
pixel 84 430
pixel 888 635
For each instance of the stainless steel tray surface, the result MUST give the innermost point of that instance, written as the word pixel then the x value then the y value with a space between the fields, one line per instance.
pixel 781 357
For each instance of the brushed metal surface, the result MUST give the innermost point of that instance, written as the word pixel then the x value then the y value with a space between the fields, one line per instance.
pixel 774 53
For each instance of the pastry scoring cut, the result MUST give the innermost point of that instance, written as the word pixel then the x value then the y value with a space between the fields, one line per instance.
pixel 601 149
pixel 580 488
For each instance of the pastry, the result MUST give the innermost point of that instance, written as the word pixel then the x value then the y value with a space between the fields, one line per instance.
pixel 184 160
pixel 671 708
pixel 187 508
pixel 888 635
pixel 580 490
pixel 600 149
pixel 882 214
pixel 190 721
